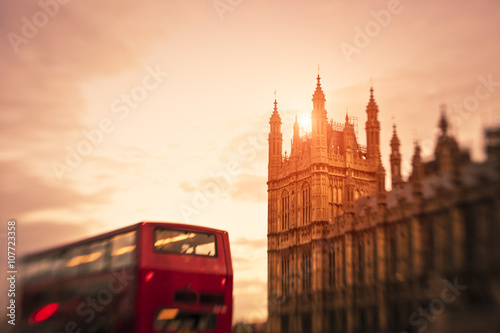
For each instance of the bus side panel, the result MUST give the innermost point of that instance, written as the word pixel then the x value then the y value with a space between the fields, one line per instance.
pixel 99 303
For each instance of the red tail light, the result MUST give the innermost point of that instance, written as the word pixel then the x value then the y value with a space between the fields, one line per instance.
pixel 44 312
pixel 223 282
pixel 149 276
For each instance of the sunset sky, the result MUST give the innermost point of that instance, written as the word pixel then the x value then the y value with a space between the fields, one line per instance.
pixel 114 112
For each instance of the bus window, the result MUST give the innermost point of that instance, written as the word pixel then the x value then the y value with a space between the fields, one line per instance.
pixel 96 257
pixel 123 250
pixel 185 242
pixel 29 270
pixel 38 268
pixel 57 264
pixel 73 259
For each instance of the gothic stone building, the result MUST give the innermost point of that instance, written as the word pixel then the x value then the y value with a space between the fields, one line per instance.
pixel 345 255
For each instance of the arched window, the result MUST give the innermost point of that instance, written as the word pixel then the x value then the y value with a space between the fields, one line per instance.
pixel 285 210
pixel 306 203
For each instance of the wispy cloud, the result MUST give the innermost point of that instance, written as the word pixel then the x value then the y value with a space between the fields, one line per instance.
pixel 23 192
pixel 253 243
pixel 249 188
pixel 43 105
pixel 53 233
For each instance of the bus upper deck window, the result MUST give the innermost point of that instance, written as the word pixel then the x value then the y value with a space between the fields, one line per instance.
pixel 185 242
pixel 123 249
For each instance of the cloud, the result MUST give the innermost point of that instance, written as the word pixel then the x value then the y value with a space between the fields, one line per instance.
pixel 42 100
pixel 41 95
pixel 249 255
pixel 251 306
pixel 246 284
pixel 46 234
pixel 187 187
pixel 23 192
pixel 85 38
pixel 241 263
pixel 241 187
pixel 249 187
pixel 253 243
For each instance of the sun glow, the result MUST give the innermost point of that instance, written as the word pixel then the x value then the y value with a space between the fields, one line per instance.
pixel 305 124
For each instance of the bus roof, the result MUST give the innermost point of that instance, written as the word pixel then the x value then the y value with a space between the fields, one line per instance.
pixel 132 227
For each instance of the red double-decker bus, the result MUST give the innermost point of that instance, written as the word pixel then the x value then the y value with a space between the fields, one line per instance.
pixel 148 277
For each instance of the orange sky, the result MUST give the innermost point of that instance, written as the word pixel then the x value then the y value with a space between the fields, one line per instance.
pixel 169 103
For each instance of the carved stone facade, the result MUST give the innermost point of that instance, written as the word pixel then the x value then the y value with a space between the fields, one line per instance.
pixel 345 255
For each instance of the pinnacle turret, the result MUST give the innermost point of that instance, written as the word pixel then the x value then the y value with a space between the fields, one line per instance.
pixel 319 124
pixel 443 121
pixel 372 131
pixel 275 116
pixel 395 159
pixel 417 174
pixel 275 141
pixel 318 93
pixel 296 138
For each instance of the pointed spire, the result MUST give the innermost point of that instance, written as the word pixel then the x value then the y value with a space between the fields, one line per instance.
pixel 417 172
pixel 275 142
pixel 395 159
pixel 372 131
pixel 372 105
pixel 395 139
pixel 318 93
pixel 319 122
pixel 296 128
pixel 417 150
pixel 275 102
pixel 443 122
pixel 275 116
pixel 296 138
pixel 416 162
pixel 380 174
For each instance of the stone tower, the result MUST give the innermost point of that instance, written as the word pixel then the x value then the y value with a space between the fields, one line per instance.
pixel 326 172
